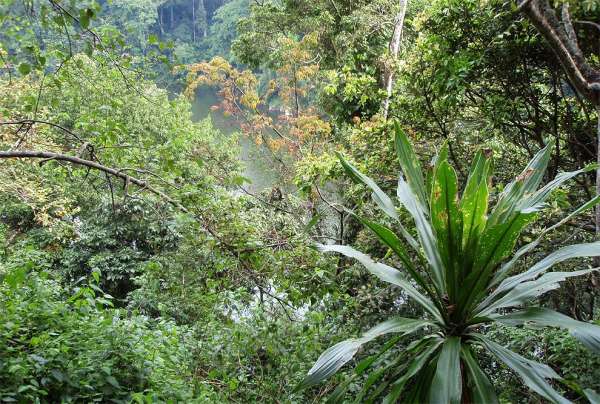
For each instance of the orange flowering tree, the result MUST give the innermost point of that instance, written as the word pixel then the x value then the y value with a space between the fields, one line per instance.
pixel 277 113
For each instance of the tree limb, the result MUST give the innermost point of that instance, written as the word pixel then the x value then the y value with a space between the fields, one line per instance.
pixel 15 154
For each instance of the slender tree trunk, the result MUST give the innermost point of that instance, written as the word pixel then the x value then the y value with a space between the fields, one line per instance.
pixel 205 18
pixel 160 20
pixel 172 18
pixel 194 20
pixel 597 259
pixel 394 50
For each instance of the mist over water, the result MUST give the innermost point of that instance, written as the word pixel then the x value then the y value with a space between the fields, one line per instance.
pixel 258 167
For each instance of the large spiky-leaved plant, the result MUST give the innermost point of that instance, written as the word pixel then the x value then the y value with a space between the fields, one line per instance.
pixel 461 269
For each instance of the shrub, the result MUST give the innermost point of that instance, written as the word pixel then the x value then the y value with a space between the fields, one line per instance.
pixel 72 350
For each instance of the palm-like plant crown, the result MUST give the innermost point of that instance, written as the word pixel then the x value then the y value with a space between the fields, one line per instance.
pixel 463 277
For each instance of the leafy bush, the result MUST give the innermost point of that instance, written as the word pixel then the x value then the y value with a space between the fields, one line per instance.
pixel 259 357
pixel 117 244
pixel 77 350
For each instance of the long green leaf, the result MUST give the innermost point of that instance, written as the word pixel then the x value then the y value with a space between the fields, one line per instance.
pixel 447 382
pixel 339 354
pixel 409 162
pixel 425 232
pixel 592 396
pixel 441 156
pixel 483 391
pixel 497 242
pixel 525 291
pixel 588 334
pixel 474 204
pixel 386 274
pixel 393 368
pixel 527 182
pixel 381 198
pixel 447 222
pixel 536 200
pixel 532 373
pixel 505 269
pixel 563 254
pixel 341 390
pixel 415 367
pixel 495 245
pixel 390 239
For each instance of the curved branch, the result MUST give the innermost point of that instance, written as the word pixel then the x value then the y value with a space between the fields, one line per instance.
pixel 32 122
pixel 31 154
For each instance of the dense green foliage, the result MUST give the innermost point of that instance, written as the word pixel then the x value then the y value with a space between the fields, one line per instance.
pixel 155 247
pixel 70 348
pixel 462 243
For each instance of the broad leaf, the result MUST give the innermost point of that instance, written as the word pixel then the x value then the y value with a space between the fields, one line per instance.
pixel 527 182
pixel 588 334
pixel 563 254
pixel 536 200
pixel 474 203
pixel 390 239
pixel 386 274
pixel 338 355
pixel 416 365
pixel 592 396
pixel 496 244
pixel 505 269
pixel 409 162
pixel 447 222
pixel 525 291
pixel 481 387
pixel 447 382
pixel 425 232
pixel 534 374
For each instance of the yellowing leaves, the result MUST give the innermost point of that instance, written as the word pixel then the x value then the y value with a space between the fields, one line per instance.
pixel 279 115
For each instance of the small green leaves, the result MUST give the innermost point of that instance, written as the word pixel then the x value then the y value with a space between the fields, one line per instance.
pixel 85 16
pixel 24 68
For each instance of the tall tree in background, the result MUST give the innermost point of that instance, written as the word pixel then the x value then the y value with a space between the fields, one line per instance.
pixel 394 49
pixel 562 38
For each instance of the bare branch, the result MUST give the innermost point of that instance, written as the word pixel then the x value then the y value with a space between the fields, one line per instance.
pixel 524 3
pixel 590 23
pixel 37 121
